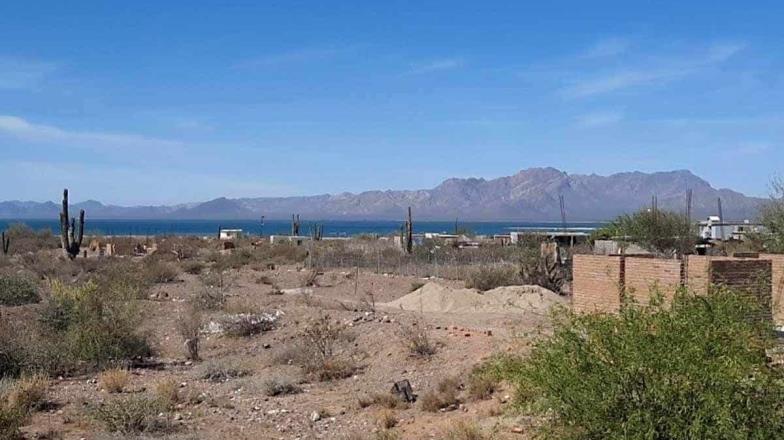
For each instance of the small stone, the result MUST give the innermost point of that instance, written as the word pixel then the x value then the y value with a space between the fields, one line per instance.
pixel 315 416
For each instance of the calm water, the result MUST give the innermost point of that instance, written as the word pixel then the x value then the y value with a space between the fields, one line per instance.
pixel 332 228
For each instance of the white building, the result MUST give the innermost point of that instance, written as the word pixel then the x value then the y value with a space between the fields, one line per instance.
pixel 230 234
pixel 714 229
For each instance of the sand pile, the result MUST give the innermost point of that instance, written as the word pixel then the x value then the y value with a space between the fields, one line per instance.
pixel 433 297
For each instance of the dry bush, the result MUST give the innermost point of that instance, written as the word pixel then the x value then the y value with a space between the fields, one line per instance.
pixel 463 430
pixel 445 394
pixel 11 419
pixel 384 400
pixel 223 370
pixel 192 267
pixel 16 290
pixel 122 278
pixel 322 354
pixel 310 279
pixel 490 277
pixel 481 386
pixel 132 415
pixel 417 340
pixel 278 386
pixel 114 380
pixel 387 419
pixel 189 325
pixel 246 325
pixel 167 393
pixel 157 271
pixel 25 240
pixel 264 279
pixel 386 434
pixel 28 393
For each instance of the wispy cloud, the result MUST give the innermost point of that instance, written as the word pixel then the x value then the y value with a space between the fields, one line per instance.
pixel 24 130
pixel 21 74
pixel 606 48
pixel 298 56
pixel 646 73
pixel 436 65
pixel 599 119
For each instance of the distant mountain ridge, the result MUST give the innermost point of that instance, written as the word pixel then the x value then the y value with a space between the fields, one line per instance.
pixel 530 195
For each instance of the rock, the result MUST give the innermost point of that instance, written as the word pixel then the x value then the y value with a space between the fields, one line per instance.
pixel 178 416
pixel 315 416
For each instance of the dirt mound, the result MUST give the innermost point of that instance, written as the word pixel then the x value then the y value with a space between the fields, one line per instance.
pixel 434 297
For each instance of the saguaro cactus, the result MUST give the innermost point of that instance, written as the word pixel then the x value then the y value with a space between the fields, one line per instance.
pixel 70 238
pixel 317 232
pixel 6 242
pixel 409 233
pixel 294 224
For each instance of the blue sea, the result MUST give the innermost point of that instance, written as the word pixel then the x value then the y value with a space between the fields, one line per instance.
pixel 332 228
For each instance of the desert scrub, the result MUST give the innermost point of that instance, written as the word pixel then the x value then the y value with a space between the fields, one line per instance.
pixel 193 267
pixel 132 415
pixel 490 277
pixel 463 430
pixel 416 339
pixel 635 375
pixel 223 370
pixel 157 271
pixel 18 399
pixel 90 326
pixel 278 386
pixel 387 419
pixel 189 325
pixel 323 354
pixel 16 290
pixel 114 380
pixel 445 395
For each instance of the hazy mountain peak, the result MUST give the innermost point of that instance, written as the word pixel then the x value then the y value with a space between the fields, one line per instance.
pixel 529 195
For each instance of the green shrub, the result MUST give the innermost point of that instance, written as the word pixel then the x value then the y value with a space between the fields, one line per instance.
pixel 131 415
pixel 16 290
pixel 91 326
pixel 11 419
pixel 490 277
pixel 694 371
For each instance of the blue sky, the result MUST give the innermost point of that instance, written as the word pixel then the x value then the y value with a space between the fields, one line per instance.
pixel 163 102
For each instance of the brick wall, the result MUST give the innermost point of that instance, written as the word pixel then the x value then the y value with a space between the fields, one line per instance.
pixel 597 278
pixel 643 276
pixel 751 277
pixel 595 286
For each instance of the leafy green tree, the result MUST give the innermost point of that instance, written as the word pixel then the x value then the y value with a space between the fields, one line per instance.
pixel 695 370
pixel 655 230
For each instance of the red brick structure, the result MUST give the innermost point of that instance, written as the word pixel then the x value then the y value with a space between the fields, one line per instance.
pixel 600 282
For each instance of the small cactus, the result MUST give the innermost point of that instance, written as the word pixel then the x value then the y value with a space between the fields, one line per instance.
pixel 295 224
pixel 6 242
pixel 409 233
pixel 70 238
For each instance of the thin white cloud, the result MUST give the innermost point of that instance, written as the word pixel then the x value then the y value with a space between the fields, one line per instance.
pixel 599 119
pixel 606 48
pixel 661 71
pixel 437 65
pixel 24 130
pixel 299 56
pixel 20 74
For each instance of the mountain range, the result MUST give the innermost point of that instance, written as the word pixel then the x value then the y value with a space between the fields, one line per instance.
pixel 530 195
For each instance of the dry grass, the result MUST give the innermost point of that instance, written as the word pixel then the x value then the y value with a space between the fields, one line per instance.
pixel 322 354
pixel 28 393
pixel 445 395
pixel 463 430
pixel 114 380
pixel 189 327
pixel 481 386
pixel 490 277
pixel 387 419
pixel 156 271
pixel 279 386
pixel 417 340
pixel 388 401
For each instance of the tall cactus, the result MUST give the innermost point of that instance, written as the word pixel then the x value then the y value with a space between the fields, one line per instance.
pixel 317 232
pixel 70 238
pixel 409 233
pixel 6 242
pixel 295 224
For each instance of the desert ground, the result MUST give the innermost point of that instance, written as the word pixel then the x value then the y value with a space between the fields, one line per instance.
pixel 290 346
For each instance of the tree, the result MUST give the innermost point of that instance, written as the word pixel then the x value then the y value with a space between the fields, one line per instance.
pixel 695 370
pixel 658 231
pixel 772 218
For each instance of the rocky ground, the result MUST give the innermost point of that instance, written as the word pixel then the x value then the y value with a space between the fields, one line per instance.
pixel 375 339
